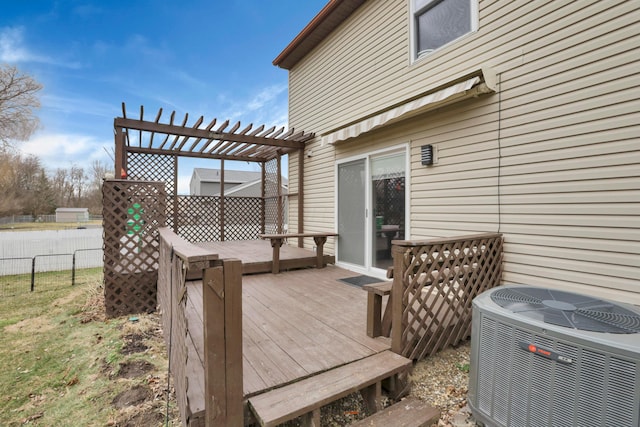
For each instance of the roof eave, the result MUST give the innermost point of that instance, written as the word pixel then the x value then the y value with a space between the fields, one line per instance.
pixel 328 19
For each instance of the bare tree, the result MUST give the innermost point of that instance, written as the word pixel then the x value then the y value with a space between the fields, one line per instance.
pixel 94 194
pixel 18 100
pixel 10 200
pixel 24 185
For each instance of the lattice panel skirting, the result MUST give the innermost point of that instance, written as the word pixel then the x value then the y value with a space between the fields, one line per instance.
pixel 439 279
pixel 132 212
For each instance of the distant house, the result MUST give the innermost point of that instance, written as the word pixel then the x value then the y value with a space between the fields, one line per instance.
pixel 442 118
pixel 206 182
pixel 72 214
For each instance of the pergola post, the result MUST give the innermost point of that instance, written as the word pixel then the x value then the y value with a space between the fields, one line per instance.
pixel 301 196
pixel 176 214
pixel 279 182
pixel 120 154
pixel 263 191
pixel 222 206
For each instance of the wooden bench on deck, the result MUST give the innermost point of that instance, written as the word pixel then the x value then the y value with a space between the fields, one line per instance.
pixel 277 240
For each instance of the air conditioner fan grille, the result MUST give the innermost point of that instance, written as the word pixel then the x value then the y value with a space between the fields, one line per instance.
pixel 568 309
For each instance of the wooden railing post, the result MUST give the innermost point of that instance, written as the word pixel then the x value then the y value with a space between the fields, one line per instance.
pixel 222 311
pixel 397 300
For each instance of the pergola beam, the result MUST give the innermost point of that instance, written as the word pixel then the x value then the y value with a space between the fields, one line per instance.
pixel 198 155
pixel 291 140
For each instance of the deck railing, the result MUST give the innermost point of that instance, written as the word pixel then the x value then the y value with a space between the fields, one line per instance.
pixel 222 329
pixel 433 286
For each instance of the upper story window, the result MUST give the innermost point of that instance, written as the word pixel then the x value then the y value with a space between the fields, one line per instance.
pixel 438 22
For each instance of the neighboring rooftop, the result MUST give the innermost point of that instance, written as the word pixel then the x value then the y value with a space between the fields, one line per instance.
pixel 230 176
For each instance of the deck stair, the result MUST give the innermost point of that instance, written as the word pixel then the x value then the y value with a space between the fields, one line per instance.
pixel 409 412
pixel 306 397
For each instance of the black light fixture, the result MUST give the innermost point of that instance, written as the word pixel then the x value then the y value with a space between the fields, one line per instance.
pixel 426 155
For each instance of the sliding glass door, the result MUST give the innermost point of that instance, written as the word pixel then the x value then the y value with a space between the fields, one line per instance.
pixel 351 212
pixel 388 206
pixel 371 209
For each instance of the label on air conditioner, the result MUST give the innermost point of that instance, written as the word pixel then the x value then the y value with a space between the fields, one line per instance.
pixel 549 354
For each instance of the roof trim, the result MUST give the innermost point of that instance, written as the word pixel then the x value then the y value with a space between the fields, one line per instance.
pixel 328 19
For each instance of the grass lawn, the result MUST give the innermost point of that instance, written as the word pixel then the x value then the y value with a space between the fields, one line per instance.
pixel 63 364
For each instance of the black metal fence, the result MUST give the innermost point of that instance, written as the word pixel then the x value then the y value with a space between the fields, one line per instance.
pixel 49 271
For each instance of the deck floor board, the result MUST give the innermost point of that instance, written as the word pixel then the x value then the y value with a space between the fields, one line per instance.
pixel 295 324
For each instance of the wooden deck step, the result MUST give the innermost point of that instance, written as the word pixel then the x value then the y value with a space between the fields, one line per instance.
pixel 304 397
pixel 410 412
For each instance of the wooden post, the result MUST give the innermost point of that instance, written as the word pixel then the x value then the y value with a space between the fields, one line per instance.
pixel 372 397
pixel 222 205
pixel 222 311
pixel 120 160
pixel 276 244
pixel 263 208
pixel 279 199
pixel 311 419
pixel 300 196
pixel 174 196
pixel 397 300
pixel 374 313
pixel 320 241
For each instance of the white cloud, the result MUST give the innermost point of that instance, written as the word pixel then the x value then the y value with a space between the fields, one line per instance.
pixel 265 96
pixel 62 150
pixel 80 105
pixel 268 107
pixel 12 49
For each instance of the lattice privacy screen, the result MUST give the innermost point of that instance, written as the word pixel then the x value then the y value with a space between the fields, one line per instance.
pixel 132 212
pixel 439 282
pixel 209 219
pixel 274 215
pixel 155 167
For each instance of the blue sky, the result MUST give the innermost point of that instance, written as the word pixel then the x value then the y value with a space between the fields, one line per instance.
pixel 210 58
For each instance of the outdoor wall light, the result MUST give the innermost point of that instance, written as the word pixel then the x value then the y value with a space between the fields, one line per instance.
pixel 426 155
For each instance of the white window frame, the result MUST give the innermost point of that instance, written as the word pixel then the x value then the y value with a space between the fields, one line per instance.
pixel 413 26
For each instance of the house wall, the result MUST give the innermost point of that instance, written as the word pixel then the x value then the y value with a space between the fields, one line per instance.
pixel 194 186
pixel 551 160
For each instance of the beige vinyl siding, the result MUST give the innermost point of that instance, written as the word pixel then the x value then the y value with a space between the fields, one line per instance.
pixel 552 160
pixel 366 68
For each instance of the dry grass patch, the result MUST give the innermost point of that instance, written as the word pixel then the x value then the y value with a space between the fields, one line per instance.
pixel 62 360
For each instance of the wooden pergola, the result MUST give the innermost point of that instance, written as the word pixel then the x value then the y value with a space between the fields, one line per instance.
pixel 215 140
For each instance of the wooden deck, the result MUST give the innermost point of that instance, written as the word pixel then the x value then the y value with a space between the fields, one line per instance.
pixel 295 324
pixel 257 255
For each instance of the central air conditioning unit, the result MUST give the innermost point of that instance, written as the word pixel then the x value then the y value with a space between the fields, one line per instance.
pixel 544 357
